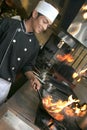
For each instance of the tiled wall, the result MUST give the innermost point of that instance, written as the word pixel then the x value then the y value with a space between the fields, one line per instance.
pixel 80 56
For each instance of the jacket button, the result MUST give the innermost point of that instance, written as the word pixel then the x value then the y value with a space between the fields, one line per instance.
pixel 18 58
pixel 30 40
pixel 13 68
pixel 14 40
pixel 25 49
pixel 19 29
pixel 9 79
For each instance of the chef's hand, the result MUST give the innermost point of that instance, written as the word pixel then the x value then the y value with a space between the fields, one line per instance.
pixel 35 84
pixel 34 81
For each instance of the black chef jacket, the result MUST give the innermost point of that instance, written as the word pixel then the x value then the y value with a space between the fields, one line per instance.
pixel 18 49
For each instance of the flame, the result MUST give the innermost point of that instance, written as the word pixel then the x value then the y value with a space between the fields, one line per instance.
pixel 79 79
pixel 80 111
pixel 76 76
pixel 65 57
pixel 55 108
pixel 83 72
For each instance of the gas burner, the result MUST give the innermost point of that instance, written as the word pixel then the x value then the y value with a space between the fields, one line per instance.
pixel 45 122
pixel 52 125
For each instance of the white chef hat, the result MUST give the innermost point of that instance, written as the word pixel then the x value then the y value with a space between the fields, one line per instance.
pixel 47 10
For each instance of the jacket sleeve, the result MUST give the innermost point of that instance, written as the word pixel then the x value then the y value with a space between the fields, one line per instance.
pixel 3 26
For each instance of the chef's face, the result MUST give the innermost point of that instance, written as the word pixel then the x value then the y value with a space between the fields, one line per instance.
pixel 40 23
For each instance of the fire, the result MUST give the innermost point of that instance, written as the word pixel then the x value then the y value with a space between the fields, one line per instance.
pixel 76 76
pixel 83 72
pixel 79 74
pixel 55 108
pixel 65 57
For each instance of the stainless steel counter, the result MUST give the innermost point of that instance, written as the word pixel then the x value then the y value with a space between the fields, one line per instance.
pixel 11 121
pixel 20 110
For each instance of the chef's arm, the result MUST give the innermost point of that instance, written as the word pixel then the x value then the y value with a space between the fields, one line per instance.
pixel 3 26
pixel 34 81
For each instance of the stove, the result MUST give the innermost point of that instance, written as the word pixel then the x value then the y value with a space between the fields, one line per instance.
pixel 46 122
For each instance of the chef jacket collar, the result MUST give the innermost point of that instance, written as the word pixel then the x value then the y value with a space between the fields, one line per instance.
pixel 24 29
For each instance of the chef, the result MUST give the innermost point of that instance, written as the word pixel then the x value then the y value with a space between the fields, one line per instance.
pixel 19 46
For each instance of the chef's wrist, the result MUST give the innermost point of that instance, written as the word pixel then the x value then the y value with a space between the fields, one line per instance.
pixel 30 75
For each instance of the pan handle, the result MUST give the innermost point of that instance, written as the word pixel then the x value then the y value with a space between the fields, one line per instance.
pixel 39 94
